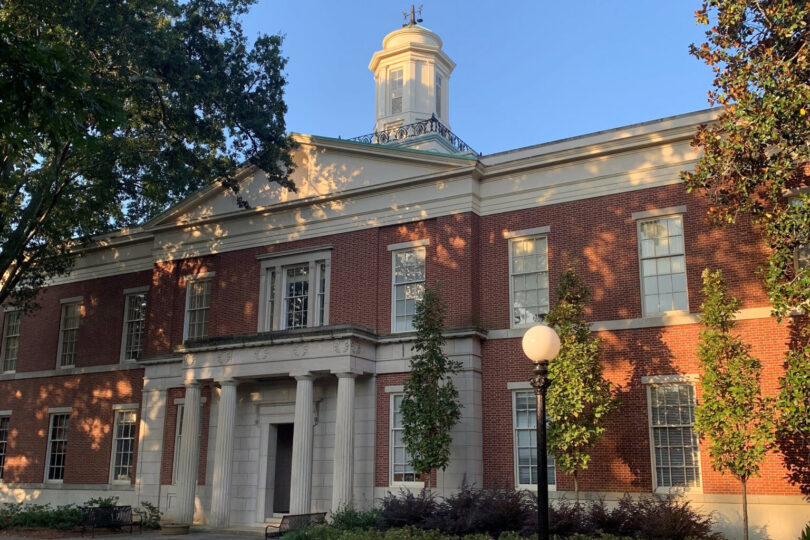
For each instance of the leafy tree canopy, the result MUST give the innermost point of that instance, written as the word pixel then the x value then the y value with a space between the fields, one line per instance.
pixel 579 398
pixel 755 156
pixel 111 111
pixel 431 405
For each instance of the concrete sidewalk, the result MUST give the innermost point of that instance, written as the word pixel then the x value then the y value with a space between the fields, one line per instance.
pixel 155 535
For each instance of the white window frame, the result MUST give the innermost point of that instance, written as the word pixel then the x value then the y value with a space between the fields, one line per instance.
pixel 4 415
pixel 802 251
pixel 119 410
pixel 76 301
pixel 540 233
pixel 670 380
pixel 277 264
pixel 53 413
pixel 654 215
pixel 4 346
pixel 523 389
pixel 415 246
pixel 129 293
pixel 417 484
pixel 208 276
pixel 396 93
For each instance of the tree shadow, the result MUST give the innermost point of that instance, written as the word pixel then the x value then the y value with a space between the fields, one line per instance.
pixel 795 448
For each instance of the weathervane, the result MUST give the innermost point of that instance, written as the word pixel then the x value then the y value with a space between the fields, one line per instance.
pixel 416 16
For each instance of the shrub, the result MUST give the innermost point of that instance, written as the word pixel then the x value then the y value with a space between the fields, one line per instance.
pixel 655 518
pixel 149 515
pixel 40 515
pixel 805 533
pixel 351 519
pixel 473 511
pixel 407 510
pixel 102 502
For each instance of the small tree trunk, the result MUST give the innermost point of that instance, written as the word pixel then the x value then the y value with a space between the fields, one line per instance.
pixel 745 508
pixel 576 487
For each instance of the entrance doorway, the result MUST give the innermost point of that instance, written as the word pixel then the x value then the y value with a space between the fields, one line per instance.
pixel 283 468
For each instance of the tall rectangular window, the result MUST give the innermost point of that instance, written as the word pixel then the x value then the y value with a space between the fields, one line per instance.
pixel 676 454
pixel 69 333
pixel 134 320
pixel 396 82
pixel 295 290
pixel 802 253
pixel 4 421
pixel 296 296
pixel 57 446
pixel 123 445
pixel 528 268
pixel 409 286
pixel 401 468
pixel 525 439
pixel 663 265
pixel 198 300
pixel 11 340
pixel 438 91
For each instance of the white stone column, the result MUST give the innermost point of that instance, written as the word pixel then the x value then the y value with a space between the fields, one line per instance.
pixel 189 454
pixel 301 481
pixel 223 455
pixel 343 472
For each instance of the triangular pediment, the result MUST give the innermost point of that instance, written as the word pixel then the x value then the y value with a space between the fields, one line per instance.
pixel 324 168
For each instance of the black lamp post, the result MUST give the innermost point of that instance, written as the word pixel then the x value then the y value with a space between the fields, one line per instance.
pixel 541 344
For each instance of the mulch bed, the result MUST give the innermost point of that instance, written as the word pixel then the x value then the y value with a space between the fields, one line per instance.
pixel 44 532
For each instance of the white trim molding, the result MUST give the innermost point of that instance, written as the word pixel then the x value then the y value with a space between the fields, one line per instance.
pixel 670 379
pixel 201 275
pixel 60 410
pixel 136 290
pixel 5 413
pixel 519 385
pixel 527 232
pixel 407 245
pixel 290 252
pixel 658 212
pixel 395 389
pixel 126 406
pixel 71 300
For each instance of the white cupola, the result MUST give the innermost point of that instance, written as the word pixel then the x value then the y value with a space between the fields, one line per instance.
pixel 412 76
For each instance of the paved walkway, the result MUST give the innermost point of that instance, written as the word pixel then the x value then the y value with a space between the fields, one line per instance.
pixel 155 535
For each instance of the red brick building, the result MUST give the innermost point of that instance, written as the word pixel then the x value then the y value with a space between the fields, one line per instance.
pixel 233 364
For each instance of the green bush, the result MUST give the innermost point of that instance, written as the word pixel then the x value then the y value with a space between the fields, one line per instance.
pixel 102 502
pixel 805 533
pixel 40 515
pixel 329 532
pixel 149 515
pixel 351 519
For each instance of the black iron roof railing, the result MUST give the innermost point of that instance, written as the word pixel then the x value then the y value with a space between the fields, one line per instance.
pixel 398 133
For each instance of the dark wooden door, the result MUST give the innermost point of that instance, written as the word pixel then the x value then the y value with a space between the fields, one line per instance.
pixel 281 485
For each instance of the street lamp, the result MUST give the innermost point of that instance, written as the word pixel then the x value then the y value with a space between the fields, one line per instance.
pixel 541 344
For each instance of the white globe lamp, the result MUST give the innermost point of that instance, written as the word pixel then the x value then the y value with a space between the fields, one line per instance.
pixel 541 343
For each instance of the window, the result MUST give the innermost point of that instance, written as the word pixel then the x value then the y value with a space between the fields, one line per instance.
pixel 401 469
pixel 69 333
pixel 198 301
pixel 524 405
pixel 438 91
pixel 409 286
pixel 11 341
pixel 528 268
pixel 301 285
pixel 134 319
pixel 57 444
pixel 674 441
pixel 4 421
pixel 663 265
pixel 395 80
pixel 123 445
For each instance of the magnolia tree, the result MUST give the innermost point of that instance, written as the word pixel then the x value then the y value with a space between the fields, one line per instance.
pixel 579 398
pixel 431 404
pixel 733 417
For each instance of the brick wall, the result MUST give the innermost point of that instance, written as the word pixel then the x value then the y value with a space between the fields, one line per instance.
pixel 100 329
pixel 89 444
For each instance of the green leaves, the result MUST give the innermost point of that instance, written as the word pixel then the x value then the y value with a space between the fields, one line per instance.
pixel 431 406
pixel 578 398
pixel 733 416
pixel 112 112
pixel 754 157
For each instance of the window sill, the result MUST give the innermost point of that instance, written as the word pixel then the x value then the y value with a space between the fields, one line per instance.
pixel 676 490
pixel 533 487
pixel 407 485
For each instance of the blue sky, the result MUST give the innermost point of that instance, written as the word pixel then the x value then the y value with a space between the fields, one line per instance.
pixel 526 72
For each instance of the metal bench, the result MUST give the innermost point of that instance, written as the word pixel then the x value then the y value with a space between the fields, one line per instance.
pixel 293 522
pixel 108 517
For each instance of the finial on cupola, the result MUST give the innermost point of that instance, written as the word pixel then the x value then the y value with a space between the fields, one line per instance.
pixel 416 16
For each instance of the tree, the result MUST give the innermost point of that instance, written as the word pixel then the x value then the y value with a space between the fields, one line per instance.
pixel 431 404
pixel 734 417
pixel 754 157
pixel 579 398
pixel 112 111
